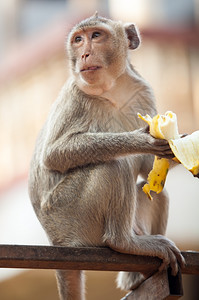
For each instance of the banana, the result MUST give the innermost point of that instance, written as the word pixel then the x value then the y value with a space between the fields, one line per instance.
pixel 162 126
pixel 186 150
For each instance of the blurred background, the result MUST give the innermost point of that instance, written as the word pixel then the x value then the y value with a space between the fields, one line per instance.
pixel 33 68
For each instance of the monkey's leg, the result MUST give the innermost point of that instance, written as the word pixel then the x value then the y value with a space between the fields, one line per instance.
pixel 70 284
pixel 151 218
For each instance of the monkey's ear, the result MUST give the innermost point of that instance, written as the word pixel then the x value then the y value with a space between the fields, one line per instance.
pixel 132 35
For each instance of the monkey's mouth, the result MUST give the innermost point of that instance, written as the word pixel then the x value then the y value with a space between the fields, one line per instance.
pixel 93 68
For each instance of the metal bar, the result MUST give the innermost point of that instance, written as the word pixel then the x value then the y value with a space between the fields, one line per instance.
pixel 192 262
pixel 91 258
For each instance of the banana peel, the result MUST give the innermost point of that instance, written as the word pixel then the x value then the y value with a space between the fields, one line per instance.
pixel 157 177
pixel 186 150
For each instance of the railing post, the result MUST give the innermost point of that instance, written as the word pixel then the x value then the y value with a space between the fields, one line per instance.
pixel 160 286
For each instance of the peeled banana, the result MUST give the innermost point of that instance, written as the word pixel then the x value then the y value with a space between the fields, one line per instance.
pixel 185 149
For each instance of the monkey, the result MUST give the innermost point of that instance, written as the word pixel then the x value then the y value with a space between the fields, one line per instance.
pixel 83 179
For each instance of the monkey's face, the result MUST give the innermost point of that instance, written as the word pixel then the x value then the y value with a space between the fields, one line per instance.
pixel 97 58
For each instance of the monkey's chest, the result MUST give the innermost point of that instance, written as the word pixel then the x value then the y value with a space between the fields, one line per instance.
pixel 123 120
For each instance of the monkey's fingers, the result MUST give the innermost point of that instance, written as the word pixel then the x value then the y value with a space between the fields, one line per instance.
pixel 181 261
pixel 174 259
pixel 185 147
pixel 166 155
pixel 163 149
pixel 169 253
pixel 161 142
pixel 146 129
pixel 169 259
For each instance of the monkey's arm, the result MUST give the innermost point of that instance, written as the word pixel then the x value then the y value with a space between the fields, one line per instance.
pixel 79 149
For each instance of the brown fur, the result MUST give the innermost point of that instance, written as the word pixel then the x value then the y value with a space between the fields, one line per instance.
pixel 83 175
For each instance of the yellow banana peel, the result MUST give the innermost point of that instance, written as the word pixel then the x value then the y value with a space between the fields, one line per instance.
pixel 157 176
pixel 186 150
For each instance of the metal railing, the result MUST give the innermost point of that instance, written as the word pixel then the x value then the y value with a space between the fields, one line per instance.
pixel 163 285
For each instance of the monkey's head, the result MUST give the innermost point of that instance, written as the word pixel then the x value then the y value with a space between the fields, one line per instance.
pixel 98 52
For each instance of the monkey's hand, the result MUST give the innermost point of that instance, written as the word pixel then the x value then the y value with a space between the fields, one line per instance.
pixel 165 249
pixel 186 150
pixel 153 245
pixel 158 147
pixel 157 176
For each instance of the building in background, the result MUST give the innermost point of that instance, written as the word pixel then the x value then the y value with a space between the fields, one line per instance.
pixel 33 68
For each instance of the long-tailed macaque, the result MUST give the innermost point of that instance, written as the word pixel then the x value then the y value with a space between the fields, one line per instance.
pixel 83 176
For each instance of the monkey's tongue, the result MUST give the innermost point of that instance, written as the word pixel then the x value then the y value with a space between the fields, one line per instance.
pixel 93 68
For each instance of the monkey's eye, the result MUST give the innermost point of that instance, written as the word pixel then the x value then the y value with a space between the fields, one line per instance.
pixel 95 34
pixel 78 39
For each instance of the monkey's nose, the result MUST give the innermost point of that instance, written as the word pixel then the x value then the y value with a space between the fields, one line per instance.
pixel 85 56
